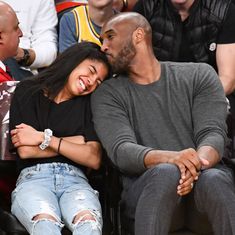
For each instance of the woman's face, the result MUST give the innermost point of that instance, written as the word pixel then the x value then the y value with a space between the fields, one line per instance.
pixel 85 78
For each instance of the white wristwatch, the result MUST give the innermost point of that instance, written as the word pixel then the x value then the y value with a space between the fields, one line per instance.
pixel 47 139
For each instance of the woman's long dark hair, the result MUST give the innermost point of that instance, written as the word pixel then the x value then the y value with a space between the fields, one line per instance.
pixel 53 78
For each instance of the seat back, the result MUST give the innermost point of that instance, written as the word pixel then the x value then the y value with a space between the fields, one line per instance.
pixel 6 92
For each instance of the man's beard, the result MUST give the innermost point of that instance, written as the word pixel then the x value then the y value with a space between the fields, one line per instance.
pixel 121 63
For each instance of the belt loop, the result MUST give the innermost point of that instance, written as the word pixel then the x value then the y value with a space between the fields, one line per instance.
pixel 38 167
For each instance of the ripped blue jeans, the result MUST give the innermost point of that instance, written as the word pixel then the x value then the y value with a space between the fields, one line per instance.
pixel 61 191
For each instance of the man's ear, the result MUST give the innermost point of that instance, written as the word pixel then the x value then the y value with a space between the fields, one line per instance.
pixel 138 35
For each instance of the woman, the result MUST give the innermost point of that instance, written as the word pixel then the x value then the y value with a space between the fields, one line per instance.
pixel 51 128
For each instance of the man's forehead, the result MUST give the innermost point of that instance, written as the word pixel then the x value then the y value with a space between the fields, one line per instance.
pixel 112 26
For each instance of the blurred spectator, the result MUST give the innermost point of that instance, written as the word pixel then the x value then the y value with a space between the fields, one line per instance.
pixel 194 30
pixel 62 5
pixel 38 46
pixel 9 38
pixel 84 23
pixel 123 5
pixel 118 5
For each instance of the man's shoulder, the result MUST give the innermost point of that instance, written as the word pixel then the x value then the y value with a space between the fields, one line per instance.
pixel 188 71
pixel 116 80
pixel 184 66
pixel 112 86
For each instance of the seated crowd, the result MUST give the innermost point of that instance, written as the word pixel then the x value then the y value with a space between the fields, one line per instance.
pixel 151 82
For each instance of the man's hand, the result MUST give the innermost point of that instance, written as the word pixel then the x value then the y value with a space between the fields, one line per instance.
pixel 185 185
pixel 187 160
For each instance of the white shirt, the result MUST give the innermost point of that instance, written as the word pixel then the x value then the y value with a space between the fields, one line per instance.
pixel 3 66
pixel 38 21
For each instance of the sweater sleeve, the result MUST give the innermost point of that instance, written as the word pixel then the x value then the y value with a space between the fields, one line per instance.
pixel 44 35
pixel 209 110
pixel 67 36
pixel 115 132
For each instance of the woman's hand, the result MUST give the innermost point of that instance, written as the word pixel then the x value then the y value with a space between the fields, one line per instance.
pixel 25 135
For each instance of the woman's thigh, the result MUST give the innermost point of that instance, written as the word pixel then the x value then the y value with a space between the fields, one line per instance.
pixel 34 195
pixel 77 198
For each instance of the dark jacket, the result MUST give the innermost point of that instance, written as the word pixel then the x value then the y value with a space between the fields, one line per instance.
pixel 202 28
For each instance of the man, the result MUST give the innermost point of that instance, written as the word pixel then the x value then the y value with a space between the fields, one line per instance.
pixel 10 34
pixel 163 125
pixel 124 5
pixel 38 46
pixel 84 23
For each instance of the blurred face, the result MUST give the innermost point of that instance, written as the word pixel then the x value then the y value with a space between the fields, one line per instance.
pixel 184 4
pixel 10 35
pixel 100 3
pixel 84 79
pixel 118 46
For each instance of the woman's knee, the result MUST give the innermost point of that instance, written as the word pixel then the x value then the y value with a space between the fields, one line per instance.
pixel 88 218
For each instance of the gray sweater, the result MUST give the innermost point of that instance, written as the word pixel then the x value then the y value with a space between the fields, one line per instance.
pixel 185 108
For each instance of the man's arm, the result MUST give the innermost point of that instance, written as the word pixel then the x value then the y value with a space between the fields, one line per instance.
pixel 225 52
pixel 186 159
pixel 225 58
pixel 209 110
pixel 210 154
pixel 44 35
pixel 119 139
pixel 67 32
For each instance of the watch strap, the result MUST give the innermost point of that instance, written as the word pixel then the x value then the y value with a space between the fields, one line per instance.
pixel 24 61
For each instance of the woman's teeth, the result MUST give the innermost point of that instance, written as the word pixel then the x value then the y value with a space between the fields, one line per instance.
pixel 82 85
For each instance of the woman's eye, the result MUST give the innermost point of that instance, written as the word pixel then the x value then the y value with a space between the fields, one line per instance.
pixel 92 70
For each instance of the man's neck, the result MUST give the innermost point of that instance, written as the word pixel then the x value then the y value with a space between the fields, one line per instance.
pixel 100 16
pixel 183 8
pixel 145 72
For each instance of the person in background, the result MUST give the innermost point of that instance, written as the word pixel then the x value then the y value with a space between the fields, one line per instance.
pixel 52 132
pixel 163 126
pixel 38 46
pixel 84 23
pixel 10 34
pixel 124 5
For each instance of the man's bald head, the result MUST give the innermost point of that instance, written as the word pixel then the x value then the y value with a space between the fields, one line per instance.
pixel 10 32
pixel 6 13
pixel 132 21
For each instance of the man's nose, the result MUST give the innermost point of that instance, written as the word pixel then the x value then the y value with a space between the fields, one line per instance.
pixel 20 33
pixel 104 47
